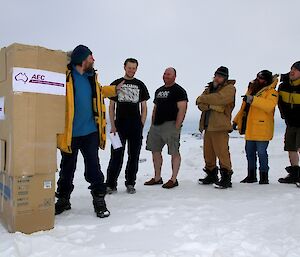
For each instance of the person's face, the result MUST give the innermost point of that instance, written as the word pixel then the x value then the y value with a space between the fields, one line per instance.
pixel 130 69
pixel 218 80
pixel 169 76
pixel 260 80
pixel 294 74
pixel 88 63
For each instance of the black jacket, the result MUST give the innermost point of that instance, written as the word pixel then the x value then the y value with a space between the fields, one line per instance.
pixel 289 101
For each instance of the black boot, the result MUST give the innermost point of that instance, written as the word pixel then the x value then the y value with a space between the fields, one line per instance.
pixel 251 177
pixel 263 177
pixel 212 177
pixel 225 181
pixel 100 205
pixel 293 175
pixel 62 204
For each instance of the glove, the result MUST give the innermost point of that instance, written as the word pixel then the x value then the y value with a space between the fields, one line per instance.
pixel 234 126
pixel 248 99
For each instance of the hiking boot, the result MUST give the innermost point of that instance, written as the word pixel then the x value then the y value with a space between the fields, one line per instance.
pixel 251 177
pixel 153 182
pixel 111 190
pixel 293 175
pixel 225 181
pixel 100 205
pixel 130 189
pixel 212 177
pixel 263 177
pixel 170 184
pixel 62 204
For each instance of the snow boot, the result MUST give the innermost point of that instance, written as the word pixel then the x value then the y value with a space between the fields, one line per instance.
pixel 251 177
pixel 263 177
pixel 130 189
pixel 62 204
pixel 225 181
pixel 111 190
pixel 100 205
pixel 293 175
pixel 212 177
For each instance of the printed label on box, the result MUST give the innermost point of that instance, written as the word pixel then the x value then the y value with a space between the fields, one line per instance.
pixel 2 114
pixel 47 184
pixel 38 81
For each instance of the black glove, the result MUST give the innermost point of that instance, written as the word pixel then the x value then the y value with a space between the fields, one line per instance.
pixel 234 126
pixel 248 99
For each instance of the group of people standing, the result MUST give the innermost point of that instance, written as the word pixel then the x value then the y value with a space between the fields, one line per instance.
pixel 85 129
pixel 255 120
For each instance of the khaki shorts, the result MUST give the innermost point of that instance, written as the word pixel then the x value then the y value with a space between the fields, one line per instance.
pixel 164 134
pixel 292 139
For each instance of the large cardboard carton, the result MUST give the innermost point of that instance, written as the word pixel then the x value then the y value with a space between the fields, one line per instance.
pixel 32 107
pixel 27 202
pixel 32 113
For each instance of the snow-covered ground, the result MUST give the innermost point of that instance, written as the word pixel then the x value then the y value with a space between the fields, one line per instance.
pixel 190 220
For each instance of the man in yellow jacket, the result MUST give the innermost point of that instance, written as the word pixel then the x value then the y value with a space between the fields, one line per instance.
pixel 256 120
pixel 84 130
pixel 216 103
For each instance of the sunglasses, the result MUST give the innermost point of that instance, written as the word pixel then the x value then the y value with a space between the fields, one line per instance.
pixel 260 77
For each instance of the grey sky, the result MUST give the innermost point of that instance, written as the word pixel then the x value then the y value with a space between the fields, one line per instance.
pixel 194 36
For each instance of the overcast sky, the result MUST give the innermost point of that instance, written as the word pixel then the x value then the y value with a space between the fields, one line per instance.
pixel 194 36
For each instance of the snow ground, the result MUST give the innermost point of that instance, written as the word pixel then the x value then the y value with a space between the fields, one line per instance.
pixel 190 220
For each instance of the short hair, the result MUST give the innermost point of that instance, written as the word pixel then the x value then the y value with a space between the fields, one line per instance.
pixel 131 60
pixel 175 72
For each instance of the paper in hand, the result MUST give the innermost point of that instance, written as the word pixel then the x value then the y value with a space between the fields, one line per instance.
pixel 115 140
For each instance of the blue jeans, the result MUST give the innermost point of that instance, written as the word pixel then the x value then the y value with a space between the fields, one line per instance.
pixel 254 148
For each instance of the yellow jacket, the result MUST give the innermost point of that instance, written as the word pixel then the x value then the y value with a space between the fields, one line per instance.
pixel 99 93
pixel 260 118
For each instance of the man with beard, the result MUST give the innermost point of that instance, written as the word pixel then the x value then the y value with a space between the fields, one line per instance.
pixel 128 113
pixel 289 106
pixel 256 120
pixel 216 103
pixel 84 130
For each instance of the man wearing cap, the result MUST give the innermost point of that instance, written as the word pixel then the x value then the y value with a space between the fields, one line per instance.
pixel 84 130
pixel 289 106
pixel 255 120
pixel 216 104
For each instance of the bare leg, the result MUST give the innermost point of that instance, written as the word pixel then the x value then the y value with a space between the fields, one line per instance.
pixel 157 163
pixel 294 158
pixel 176 160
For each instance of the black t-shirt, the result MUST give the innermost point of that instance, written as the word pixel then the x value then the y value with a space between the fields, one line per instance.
pixel 166 99
pixel 129 98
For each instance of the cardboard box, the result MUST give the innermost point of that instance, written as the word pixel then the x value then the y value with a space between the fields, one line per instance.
pixel 27 202
pixel 32 107
pixel 32 113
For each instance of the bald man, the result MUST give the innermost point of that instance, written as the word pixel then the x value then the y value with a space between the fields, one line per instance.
pixel 170 105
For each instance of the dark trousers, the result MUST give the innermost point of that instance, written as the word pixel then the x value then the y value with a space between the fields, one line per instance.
pixel 254 148
pixel 88 146
pixel 130 131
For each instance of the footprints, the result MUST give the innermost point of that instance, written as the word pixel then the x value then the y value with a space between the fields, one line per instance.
pixel 146 220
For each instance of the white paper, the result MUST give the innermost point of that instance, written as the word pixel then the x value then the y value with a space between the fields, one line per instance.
pixel 115 140
pixel 38 81
pixel 2 114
